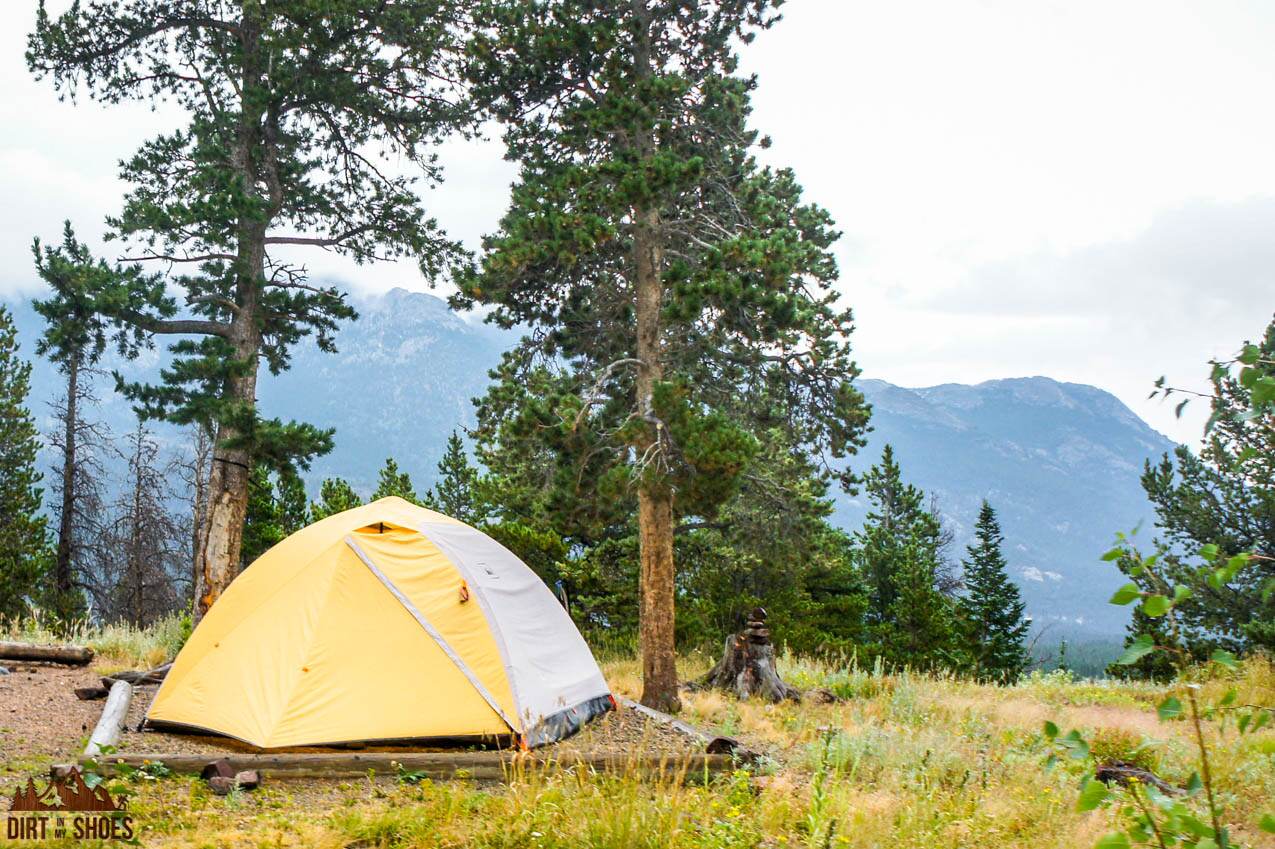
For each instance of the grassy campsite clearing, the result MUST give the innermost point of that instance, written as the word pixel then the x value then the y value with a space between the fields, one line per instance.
pixel 903 760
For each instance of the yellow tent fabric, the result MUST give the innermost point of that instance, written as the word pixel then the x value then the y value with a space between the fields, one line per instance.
pixel 384 622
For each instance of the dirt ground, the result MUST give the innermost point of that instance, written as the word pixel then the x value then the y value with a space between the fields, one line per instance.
pixel 42 722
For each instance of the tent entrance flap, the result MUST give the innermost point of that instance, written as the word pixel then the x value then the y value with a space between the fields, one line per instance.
pixel 432 631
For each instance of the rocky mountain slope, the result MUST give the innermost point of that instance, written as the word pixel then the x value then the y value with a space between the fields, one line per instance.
pixel 1059 461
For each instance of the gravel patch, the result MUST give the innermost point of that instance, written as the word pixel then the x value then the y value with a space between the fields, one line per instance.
pixel 41 720
pixel 618 732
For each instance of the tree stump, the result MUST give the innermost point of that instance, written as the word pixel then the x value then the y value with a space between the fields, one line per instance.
pixel 747 667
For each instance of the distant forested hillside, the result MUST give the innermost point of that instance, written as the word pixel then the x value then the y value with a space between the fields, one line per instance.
pixel 1060 462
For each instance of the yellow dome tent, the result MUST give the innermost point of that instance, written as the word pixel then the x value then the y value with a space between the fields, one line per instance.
pixel 385 622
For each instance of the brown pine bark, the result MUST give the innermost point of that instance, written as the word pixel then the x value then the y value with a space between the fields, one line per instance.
pixel 226 505
pixel 221 537
pixel 655 499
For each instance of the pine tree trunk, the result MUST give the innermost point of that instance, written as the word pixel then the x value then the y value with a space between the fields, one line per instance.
pixel 226 505
pixel 655 499
pixel 62 578
pixel 659 661
pixel 217 561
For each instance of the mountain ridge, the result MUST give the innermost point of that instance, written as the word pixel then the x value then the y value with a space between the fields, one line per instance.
pixel 1060 461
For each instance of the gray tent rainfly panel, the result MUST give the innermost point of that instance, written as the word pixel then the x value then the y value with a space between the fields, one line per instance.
pixel 556 683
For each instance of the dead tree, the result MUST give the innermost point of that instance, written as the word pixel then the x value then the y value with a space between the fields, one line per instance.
pixel 747 667
pixel 76 487
pixel 144 543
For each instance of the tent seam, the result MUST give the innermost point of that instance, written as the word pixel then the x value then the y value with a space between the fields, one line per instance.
pixel 433 632
pixel 477 589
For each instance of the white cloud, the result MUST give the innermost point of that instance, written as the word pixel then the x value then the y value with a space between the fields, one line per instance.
pixel 1077 189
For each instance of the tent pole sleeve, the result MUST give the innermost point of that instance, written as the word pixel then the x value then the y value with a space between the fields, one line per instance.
pixel 432 631
pixel 476 587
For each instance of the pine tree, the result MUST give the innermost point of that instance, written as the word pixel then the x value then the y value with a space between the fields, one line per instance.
pixel 898 551
pixel 897 519
pixel 290 495
pixel 23 534
pixel 285 102
pixel 1225 496
pixel 456 493
pixel 335 495
pixel 74 338
pixel 263 524
pixel 675 289
pixel 391 481
pixel 992 605
pixel 920 627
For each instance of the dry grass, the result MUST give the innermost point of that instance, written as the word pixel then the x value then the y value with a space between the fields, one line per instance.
pixel 911 761
pixel 116 646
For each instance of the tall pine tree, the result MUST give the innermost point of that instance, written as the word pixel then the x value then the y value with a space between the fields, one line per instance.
pixel 898 552
pixel 335 495
pixel 992 605
pixel 392 481
pixel 23 533
pixel 288 107
pixel 456 493
pixel 680 296
pixel 74 338
pixel 1224 496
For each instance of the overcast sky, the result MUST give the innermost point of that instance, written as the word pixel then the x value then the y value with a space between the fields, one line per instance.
pixel 1083 190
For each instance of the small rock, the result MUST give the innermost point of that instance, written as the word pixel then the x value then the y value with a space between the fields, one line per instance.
pixel 248 779
pixel 822 696
pixel 3 671
pixel 221 785
pixel 217 769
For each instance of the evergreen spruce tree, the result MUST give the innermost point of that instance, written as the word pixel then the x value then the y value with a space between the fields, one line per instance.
pixel 391 481
pixel 1224 496
pixel 263 523
pixel 335 495
pixel 992 605
pixel 920 627
pixel 24 545
pixel 680 296
pixel 287 107
pixel 74 338
pixel 456 493
pixel 897 519
pixel 290 496
pixel 898 551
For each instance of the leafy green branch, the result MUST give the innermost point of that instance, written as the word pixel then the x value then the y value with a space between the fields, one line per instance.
pixel 1155 814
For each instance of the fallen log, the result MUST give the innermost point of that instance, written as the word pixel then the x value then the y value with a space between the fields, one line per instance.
pixel 1124 774
pixel 71 655
pixel 138 679
pixel 747 667
pixel 479 766
pixel 107 732
pixel 88 694
pixel 712 745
